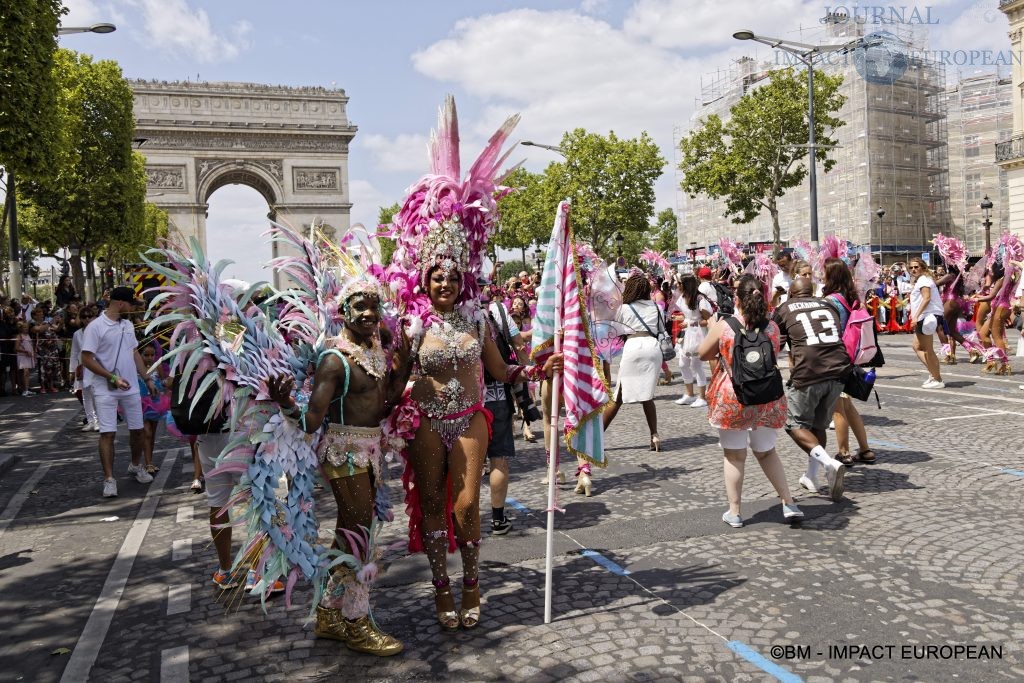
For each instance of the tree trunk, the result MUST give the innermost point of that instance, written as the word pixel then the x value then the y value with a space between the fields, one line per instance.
pixel 776 231
pixel 77 275
pixel 522 248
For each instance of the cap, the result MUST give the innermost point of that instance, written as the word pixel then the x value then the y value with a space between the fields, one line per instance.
pixel 125 294
pixel 704 273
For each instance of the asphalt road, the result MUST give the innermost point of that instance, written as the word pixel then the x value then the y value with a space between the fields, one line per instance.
pixel 924 550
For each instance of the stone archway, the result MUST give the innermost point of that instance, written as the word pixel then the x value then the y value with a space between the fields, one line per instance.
pixel 289 144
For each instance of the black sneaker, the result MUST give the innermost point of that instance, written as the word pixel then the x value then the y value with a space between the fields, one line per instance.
pixel 500 527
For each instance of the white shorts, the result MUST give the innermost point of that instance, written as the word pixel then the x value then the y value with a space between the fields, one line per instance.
pixel 760 440
pixel 220 485
pixel 106 410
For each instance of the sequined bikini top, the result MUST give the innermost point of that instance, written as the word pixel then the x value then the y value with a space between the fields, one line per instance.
pixel 449 362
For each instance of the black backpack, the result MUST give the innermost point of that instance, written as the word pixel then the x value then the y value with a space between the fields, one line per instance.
pixel 754 371
pixel 724 296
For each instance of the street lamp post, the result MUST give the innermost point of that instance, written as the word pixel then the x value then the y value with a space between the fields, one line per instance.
pixel 15 284
pixel 619 241
pixel 806 54
pixel 538 257
pixel 986 206
pixel 880 212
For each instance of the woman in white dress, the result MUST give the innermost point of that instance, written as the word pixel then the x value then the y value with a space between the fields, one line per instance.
pixel 641 355
pixel 696 310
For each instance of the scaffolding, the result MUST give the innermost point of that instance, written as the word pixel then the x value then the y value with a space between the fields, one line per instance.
pixel 980 114
pixel 891 154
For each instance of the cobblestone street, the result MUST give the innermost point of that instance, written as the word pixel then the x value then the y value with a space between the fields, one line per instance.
pixel 925 549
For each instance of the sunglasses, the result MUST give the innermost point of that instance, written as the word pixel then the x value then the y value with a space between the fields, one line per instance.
pixel 915 267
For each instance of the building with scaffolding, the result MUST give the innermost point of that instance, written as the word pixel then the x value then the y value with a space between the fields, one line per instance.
pixel 979 114
pixel 1010 152
pixel 889 186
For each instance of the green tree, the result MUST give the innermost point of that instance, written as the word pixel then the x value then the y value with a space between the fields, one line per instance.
pixel 527 214
pixel 664 236
pixel 756 156
pixel 94 198
pixel 28 95
pixel 610 183
pixel 387 245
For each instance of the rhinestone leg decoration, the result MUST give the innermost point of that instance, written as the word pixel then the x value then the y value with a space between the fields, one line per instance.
pixel 469 615
pixel 435 546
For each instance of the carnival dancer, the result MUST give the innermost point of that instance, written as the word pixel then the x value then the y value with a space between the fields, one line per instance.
pixel 442 231
pixel 1009 251
pixel 353 388
pixel 925 314
pixel 954 307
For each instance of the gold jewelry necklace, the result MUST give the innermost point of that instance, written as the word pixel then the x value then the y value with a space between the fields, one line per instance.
pixel 370 358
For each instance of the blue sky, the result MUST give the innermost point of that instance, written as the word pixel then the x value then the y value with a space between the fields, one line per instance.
pixel 604 65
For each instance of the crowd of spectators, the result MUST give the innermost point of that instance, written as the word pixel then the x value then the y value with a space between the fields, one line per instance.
pixel 35 339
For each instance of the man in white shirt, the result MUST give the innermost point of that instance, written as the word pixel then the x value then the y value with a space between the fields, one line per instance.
pixel 783 279
pixel 112 365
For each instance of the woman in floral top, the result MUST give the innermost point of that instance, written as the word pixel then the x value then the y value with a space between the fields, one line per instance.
pixel 740 426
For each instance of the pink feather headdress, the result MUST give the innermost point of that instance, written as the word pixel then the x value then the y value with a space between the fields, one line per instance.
pixel 656 261
pixel 951 250
pixel 731 253
pixel 446 220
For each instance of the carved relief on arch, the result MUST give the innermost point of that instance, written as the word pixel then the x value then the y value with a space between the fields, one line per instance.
pixel 274 167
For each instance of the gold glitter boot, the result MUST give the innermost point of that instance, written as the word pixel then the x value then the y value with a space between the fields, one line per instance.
pixel 364 637
pixel 330 624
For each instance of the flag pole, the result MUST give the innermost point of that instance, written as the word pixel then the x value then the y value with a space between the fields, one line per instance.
pixel 556 386
pixel 558 259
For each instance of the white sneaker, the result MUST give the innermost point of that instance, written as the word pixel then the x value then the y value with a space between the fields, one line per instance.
pixel 699 403
pixel 806 483
pixel 835 472
pixel 933 384
pixel 141 475
pixel 28 393
pixel 109 488
pixel 95 426
pixel 685 400
pixel 87 427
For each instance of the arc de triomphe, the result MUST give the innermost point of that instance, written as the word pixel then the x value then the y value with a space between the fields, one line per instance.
pixel 289 144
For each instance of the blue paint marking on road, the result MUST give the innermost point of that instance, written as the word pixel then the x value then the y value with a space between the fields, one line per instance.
pixel 887 444
pixel 1016 473
pixel 760 661
pixel 513 503
pixel 604 562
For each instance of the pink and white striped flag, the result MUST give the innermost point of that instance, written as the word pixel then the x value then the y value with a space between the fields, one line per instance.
pixel 560 305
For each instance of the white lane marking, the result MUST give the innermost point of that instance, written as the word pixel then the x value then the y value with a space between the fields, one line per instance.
pixel 19 498
pixel 985 414
pixel 174 665
pixel 95 632
pixel 951 392
pixel 179 598
pixel 181 550
pixel 184 514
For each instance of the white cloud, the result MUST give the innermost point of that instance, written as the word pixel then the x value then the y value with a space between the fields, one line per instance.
pixel 594 6
pixel 366 202
pixel 562 70
pixel 174 27
pixel 978 28
pixel 405 152
pixel 690 24
pixel 82 13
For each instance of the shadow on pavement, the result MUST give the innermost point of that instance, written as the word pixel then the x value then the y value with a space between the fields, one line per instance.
pixel 647 478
